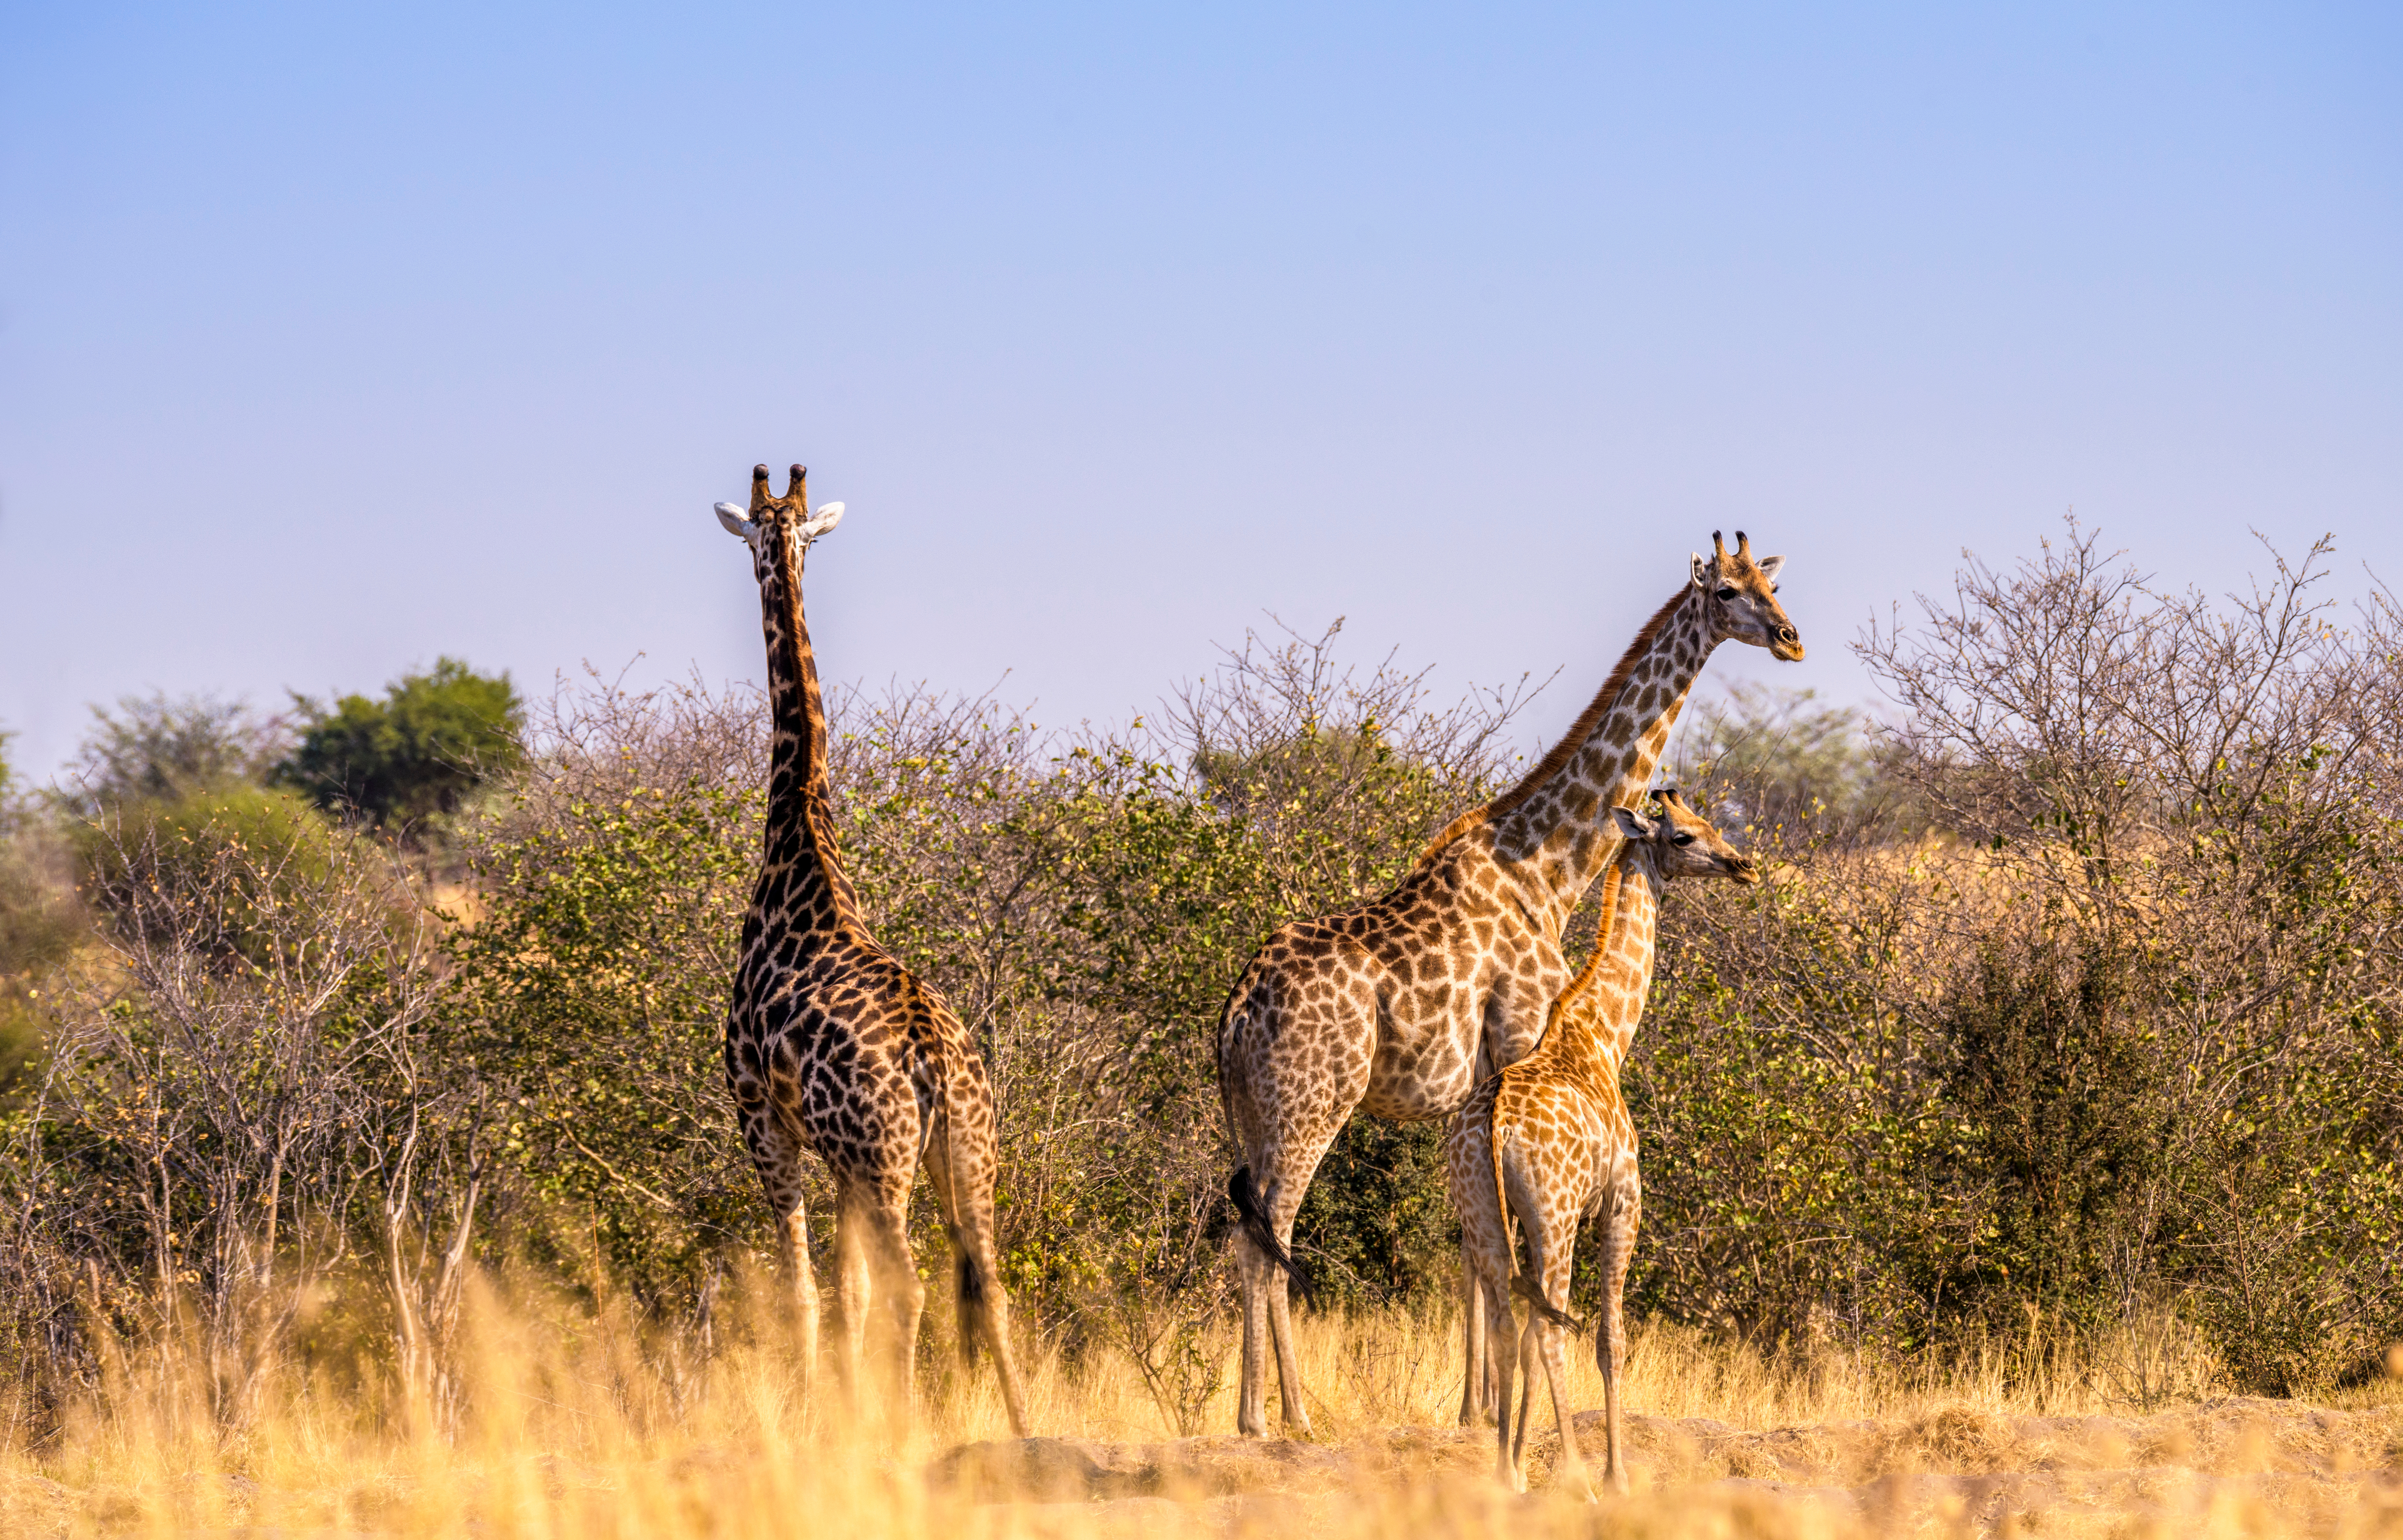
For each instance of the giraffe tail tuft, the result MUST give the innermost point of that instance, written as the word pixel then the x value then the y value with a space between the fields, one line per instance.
pixel 1254 1216
pixel 971 1285
pixel 1524 1287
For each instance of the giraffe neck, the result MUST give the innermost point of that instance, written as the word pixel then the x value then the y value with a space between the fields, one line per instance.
pixel 802 874
pixel 1556 824
pixel 1597 1016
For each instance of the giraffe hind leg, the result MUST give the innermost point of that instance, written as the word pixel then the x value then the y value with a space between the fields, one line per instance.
pixel 1500 1348
pixel 886 1275
pixel 1475 1375
pixel 854 1288
pixel 1265 1260
pixel 777 1153
pixel 1610 1344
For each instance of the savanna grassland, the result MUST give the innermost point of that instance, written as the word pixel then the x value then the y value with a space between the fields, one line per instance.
pixel 2026 1153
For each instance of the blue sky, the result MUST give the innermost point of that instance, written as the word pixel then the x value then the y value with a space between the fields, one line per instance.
pixel 334 339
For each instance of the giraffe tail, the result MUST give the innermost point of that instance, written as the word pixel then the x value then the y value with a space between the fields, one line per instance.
pixel 971 1285
pixel 969 1267
pixel 1254 1216
pixel 1495 1129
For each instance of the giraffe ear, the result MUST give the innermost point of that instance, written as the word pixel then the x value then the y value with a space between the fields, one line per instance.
pixel 1771 567
pixel 1701 575
pixel 827 518
pixel 1631 824
pixel 730 516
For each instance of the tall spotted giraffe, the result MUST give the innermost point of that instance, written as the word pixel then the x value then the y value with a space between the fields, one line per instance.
pixel 832 1045
pixel 1549 1139
pixel 1400 1005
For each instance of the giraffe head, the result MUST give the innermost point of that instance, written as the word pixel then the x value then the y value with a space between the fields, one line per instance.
pixel 1740 597
pixel 772 523
pixel 1681 843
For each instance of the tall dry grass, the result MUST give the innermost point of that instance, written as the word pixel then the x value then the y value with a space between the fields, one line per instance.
pixel 577 1424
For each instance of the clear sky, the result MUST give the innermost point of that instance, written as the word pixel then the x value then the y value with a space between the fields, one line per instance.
pixel 336 338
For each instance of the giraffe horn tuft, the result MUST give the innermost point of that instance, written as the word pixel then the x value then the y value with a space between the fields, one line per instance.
pixel 795 487
pixel 1719 547
pixel 1742 547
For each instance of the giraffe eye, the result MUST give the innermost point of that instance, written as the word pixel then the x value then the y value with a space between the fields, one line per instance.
pixel 1683 839
pixel 1726 594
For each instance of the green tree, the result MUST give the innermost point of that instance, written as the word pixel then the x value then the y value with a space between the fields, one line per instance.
pixel 414 755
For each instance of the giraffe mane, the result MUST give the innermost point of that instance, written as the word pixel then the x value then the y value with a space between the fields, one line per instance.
pixel 1556 759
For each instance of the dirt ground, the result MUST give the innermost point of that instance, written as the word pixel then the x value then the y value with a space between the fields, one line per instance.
pixel 2229 1465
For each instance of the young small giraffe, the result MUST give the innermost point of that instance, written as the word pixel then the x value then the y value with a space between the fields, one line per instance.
pixel 1399 1006
pixel 1549 1139
pixel 832 1045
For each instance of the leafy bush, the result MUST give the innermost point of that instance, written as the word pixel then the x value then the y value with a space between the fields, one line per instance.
pixel 2053 1069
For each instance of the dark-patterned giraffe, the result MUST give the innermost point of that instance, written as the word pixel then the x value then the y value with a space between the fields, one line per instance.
pixel 1400 1005
pixel 1548 1141
pixel 832 1045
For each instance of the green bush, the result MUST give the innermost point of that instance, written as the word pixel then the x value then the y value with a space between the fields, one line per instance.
pixel 247 855
pixel 2057 1071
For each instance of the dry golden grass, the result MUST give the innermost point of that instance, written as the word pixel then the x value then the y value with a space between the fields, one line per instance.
pixel 576 1428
